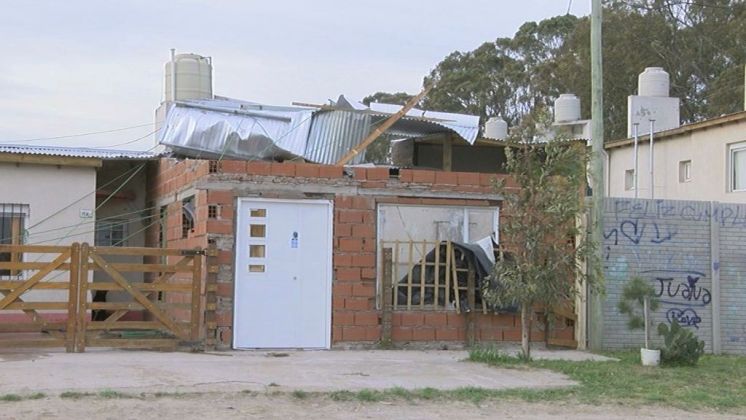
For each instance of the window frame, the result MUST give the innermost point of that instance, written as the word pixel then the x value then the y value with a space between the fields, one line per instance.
pixel 629 175
pixel 108 225
pixel 684 174
pixel 733 148
pixel 18 212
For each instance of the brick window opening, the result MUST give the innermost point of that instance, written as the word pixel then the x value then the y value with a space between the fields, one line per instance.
pixel 213 211
pixel 187 216
pixel 214 167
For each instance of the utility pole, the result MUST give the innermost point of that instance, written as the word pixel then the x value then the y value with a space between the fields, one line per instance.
pixel 595 312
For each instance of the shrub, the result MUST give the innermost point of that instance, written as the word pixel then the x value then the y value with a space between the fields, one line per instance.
pixel 681 346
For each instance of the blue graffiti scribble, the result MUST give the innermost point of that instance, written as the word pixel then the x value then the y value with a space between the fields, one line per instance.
pixel 686 317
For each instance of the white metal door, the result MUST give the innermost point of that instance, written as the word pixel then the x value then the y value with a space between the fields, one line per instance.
pixel 283 274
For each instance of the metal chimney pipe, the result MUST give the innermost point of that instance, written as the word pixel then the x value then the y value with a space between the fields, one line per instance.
pixel 173 75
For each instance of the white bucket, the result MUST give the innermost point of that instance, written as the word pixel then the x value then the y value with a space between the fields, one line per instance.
pixel 650 357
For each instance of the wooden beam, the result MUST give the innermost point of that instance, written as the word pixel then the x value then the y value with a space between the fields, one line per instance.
pixel 448 153
pixel 50 160
pixel 383 127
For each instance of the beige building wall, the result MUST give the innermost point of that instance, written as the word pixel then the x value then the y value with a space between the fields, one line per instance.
pixel 708 151
pixel 55 196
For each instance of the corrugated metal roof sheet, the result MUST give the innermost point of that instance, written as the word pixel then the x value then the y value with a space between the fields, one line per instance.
pixel 82 152
pixel 229 128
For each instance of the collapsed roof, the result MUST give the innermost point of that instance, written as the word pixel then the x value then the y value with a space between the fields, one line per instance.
pixel 223 128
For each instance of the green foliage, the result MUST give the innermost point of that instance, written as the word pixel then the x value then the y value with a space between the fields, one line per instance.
pixel 681 346
pixel 378 151
pixel 698 42
pixel 632 302
pixel 547 246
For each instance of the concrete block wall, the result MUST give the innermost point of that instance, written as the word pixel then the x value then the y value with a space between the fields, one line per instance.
pixel 687 250
pixel 355 192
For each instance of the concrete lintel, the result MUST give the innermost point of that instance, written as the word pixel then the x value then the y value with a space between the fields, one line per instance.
pixel 248 188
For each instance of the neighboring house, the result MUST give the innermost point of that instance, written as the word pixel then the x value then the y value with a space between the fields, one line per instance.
pixel 700 161
pixel 61 195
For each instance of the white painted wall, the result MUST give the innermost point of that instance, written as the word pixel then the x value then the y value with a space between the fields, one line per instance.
pixel 47 189
pixel 708 150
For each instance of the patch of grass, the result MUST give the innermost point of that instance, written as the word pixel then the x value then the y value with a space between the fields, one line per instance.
pixel 36 396
pixel 11 397
pixel 111 394
pixel 74 395
pixel 367 395
pixel 342 396
pixel 717 382
pixel 163 394
pixel 299 394
pixel 494 356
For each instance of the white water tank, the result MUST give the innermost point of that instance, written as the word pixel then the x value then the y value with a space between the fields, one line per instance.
pixel 193 77
pixel 496 128
pixel 566 108
pixel 654 81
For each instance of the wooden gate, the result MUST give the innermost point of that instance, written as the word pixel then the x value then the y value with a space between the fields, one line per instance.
pixel 163 309
pixel 29 268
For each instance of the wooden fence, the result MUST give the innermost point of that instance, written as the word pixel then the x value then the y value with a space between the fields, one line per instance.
pixel 168 307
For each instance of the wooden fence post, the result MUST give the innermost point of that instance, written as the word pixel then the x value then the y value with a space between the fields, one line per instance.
pixel 388 292
pixel 82 304
pixel 72 298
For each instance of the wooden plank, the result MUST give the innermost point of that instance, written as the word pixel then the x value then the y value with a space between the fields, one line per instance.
pixel 139 251
pixel 61 306
pixel 448 153
pixel 383 127
pixel 155 311
pixel 81 318
pixel 23 265
pixel 34 249
pixel 409 275
pixel 436 279
pixel 31 342
pixel 128 325
pixel 10 285
pixel 31 326
pixel 395 279
pixel 72 297
pixel 196 296
pixel 133 306
pixel 388 290
pixel 10 297
pixel 149 268
pixel 128 343
pixel 448 273
pixel 423 267
pixel 454 273
pixel 157 287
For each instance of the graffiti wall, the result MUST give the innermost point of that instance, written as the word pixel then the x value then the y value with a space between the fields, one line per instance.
pixel 687 250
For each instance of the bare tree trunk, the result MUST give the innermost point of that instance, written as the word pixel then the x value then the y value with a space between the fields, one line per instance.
pixel 526 330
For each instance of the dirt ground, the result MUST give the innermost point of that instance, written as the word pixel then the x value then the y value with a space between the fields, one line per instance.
pixel 242 406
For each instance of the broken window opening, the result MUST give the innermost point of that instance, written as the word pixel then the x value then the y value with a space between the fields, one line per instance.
pixel 187 217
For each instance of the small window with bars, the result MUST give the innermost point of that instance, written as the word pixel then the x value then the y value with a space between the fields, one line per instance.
pixel 111 232
pixel 12 227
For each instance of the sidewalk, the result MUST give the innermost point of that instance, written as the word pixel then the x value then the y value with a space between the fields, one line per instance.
pixel 145 371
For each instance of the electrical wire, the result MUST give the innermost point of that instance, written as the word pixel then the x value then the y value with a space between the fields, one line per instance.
pixel 73 135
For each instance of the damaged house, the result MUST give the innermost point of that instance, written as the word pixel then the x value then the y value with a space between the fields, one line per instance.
pixel 315 250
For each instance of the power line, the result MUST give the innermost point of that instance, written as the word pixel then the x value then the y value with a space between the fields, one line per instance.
pixel 74 135
pixel 132 141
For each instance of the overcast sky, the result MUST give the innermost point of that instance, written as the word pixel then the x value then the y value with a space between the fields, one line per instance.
pixel 74 66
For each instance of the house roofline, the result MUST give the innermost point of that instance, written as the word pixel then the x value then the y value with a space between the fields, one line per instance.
pixel 680 131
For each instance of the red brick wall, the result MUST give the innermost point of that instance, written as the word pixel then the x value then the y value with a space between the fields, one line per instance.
pixel 354 314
